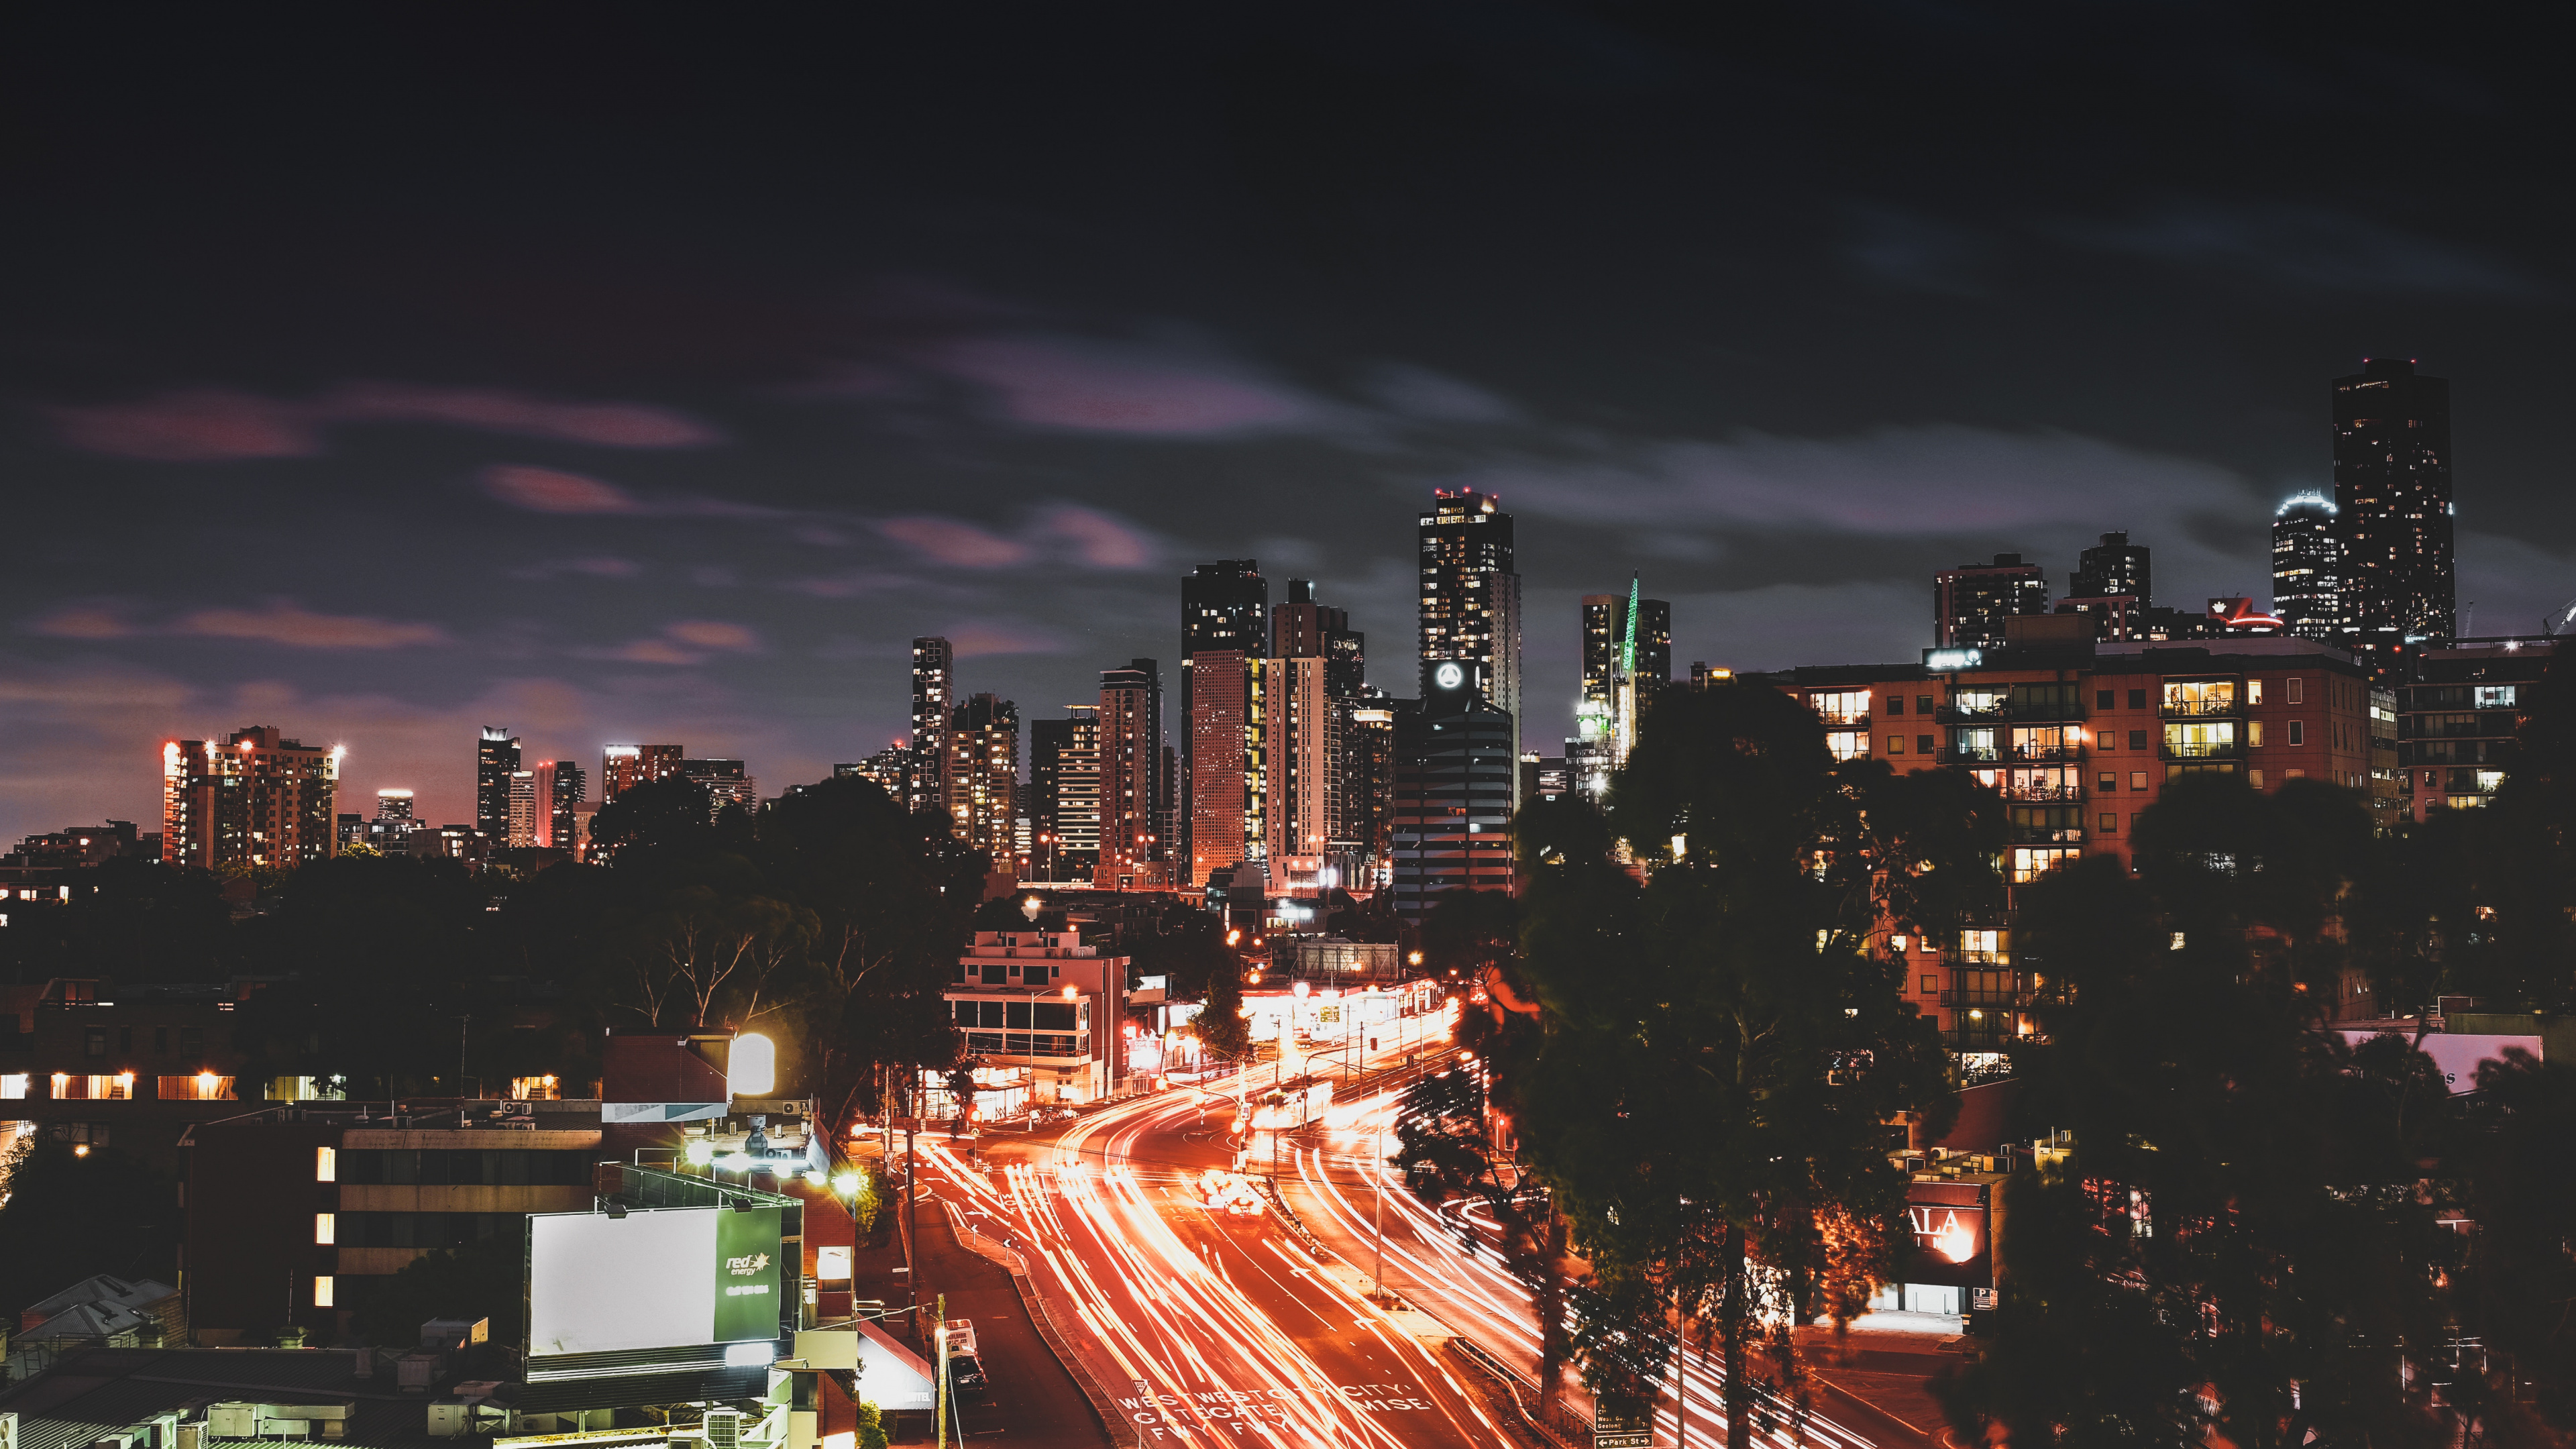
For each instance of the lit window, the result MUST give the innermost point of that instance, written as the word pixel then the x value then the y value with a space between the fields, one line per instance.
pixel 326 1165
pixel 325 1228
pixel 322 1290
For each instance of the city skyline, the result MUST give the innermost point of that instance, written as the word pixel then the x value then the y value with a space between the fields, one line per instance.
pixel 707 487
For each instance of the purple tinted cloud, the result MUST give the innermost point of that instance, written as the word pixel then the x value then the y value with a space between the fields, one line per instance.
pixel 1100 540
pixel 948 541
pixel 284 623
pixel 1056 382
pixel 214 425
pixel 552 490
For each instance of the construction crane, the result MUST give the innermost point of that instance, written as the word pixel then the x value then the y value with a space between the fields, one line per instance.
pixel 2559 618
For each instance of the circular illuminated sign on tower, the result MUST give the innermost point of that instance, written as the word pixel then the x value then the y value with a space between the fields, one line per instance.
pixel 1449 676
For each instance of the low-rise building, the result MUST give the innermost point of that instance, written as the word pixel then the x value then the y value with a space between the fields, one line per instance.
pixel 1044 1001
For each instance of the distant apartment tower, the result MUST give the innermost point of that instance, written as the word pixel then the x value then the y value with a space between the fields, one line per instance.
pixel 2392 474
pixel 556 786
pixel 2114 568
pixel 1971 602
pixel 934 700
pixel 1131 760
pixel 1455 778
pixel 1305 776
pixel 727 784
pixel 496 759
pixel 1369 750
pixel 1301 628
pixel 1224 800
pixel 527 810
pixel 1064 783
pixel 1225 607
pixel 983 776
pixel 2307 568
pixel 1605 624
pixel 390 832
pixel 890 768
pixel 1471 595
pixel 252 799
pixel 623 767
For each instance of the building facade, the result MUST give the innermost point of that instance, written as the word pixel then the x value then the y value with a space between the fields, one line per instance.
pixel 934 702
pixel 496 759
pixel 1305 775
pixel 984 776
pixel 253 799
pixel 561 785
pixel 728 784
pixel 1044 1002
pixel 2307 568
pixel 1971 602
pixel 1131 789
pixel 2458 717
pixel 1227 690
pixel 2114 567
pixel 1225 608
pixel 1471 595
pixel 1455 779
pixel 2392 473
pixel 528 816
pixel 623 767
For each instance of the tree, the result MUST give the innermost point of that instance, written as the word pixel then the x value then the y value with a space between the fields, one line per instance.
pixel 71 1212
pixel 705 959
pixel 1717 1051
pixel 478 1280
pixel 2245 1218
pixel 673 816
pixel 1220 1026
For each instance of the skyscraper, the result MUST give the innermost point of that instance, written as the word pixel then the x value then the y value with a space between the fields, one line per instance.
pixel 727 783
pixel 890 768
pixel 1225 606
pixel 1074 802
pixel 2307 568
pixel 496 759
pixel 2112 568
pixel 1305 775
pixel 1454 782
pixel 1620 670
pixel 390 832
pixel 561 785
pixel 1370 750
pixel 1301 628
pixel 251 799
pixel 1131 758
pixel 2392 473
pixel 1971 602
pixel 1224 786
pixel 934 688
pixel 1471 595
pixel 524 811
pixel 984 775
pixel 623 767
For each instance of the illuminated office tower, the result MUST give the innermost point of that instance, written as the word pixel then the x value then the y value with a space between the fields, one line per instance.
pixel 1471 596
pixel 560 786
pixel 1305 777
pixel 496 759
pixel 1064 778
pixel 1971 602
pixel 251 799
pixel 2307 568
pixel 1622 667
pixel 2392 472
pixel 1225 771
pixel 1225 606
pixel 521 830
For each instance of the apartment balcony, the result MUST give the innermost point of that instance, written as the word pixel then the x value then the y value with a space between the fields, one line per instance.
pixel 1844 721
pixel 2047 834
pixel 2043 754
pixel 2186 750
pixel 2068 793
pixel 1990 1002
pixel 1972 755
pixel 2219 708
pixel 1961 714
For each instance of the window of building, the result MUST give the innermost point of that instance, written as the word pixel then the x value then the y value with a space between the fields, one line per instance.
pixel 326 1165
pixel 1922 704
pixel 93 1086
pixel 2298 690
pixel 2137 699
pixel 2253 691
pixel 1927 744
pixel 94 1042
pixel 1972 744
pixel 2200 696
pixel 1842 706
pixel 2108 782
pixel 2255 778
pixel 1896 744
pixel 2492 696
pixel 1931 985
pixel 2254 734
pixel 2137 739
pixel 2137 779
pixel 1968 703
pixel 322 1226
pixel 1896 704
pixel 202 1087
pixel 322 1290
pixel 2110 823
pixel 2030 862
pixel 2200 740
pixel 2298 732
pixel 13 1087
pixel 1981 947
pixel 2102 698
pixel 1847 744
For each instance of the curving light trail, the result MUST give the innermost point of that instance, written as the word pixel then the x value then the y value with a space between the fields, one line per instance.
pixel 1205 1364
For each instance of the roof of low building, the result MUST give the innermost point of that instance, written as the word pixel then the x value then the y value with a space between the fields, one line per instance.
pixel 93 1392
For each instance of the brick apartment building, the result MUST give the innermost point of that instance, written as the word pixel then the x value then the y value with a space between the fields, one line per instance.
pixel 2080 738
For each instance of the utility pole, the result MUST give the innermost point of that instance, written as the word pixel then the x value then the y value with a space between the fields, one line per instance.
pixel 1377 1174
pixel 911 1216
pixel 463 1023
pixel 939 1404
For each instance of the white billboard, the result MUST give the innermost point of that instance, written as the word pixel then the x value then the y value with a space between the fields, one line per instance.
pixel 598 1284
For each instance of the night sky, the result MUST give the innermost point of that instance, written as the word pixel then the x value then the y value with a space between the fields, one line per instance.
pixel 642 374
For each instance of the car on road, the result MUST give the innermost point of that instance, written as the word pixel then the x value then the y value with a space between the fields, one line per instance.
pixel 965 1365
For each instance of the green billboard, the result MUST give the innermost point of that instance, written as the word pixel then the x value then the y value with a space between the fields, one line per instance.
pixel 748 1275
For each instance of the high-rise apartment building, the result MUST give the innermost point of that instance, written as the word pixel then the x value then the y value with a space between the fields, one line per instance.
pixel 890 768
pixel 934 700
pixel 1301 628
pixel 727 784
pixel 2392 473
pixel 1471 595
pixel 1072 800
pixel 1971 602
pixel 1369 749
pixel 496 759
pixel 561 785
pixel 2307 568
pixel 1605 625
pixel 252 799
pixel 984 775
pixel 1305 775
pixel 1131 789
pixel 2114 568
pixel 390 832
pixel 1227 691
pixel 1225 607
pixel 623 767
pixel 526 811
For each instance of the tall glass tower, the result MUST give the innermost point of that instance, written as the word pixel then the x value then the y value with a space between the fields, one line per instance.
pixel 1471 596
pixel 2392 474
